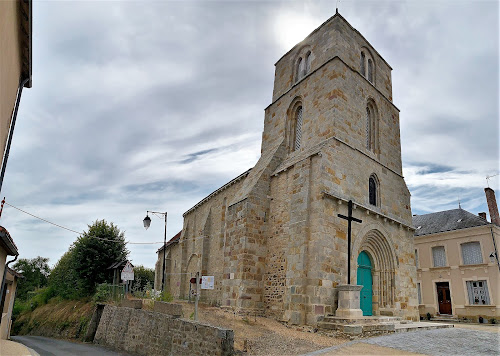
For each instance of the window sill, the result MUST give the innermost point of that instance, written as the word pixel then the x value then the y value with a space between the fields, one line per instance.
pixel 480 306
pixel 475 265
pixel 438 268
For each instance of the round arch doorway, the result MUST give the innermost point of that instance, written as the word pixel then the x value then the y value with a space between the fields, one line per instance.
pixel 364 278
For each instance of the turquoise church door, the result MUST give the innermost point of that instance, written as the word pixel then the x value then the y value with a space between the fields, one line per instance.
pixel 365 280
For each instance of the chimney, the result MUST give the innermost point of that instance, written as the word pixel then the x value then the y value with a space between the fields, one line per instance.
pixel 492 205
pixel 482 215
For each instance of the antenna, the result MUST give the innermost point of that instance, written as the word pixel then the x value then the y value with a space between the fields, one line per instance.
pixel 459 202
pixel 337 7
pixel 488 178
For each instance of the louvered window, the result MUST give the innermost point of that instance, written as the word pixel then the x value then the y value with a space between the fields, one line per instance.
pixel 369 119
pixel 419 292
pixel 478 293
pixel 439 256
pixel 298 129
pixel 471 253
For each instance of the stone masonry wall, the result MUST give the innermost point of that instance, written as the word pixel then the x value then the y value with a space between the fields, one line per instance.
pixel 147 333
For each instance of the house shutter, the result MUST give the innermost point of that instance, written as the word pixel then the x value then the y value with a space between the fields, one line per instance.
pixel 471 253
pixel 439 256
pixel 419 294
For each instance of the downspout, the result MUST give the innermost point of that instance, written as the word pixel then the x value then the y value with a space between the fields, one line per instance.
pixel 11 131
pixel 495 247
pixel 3 281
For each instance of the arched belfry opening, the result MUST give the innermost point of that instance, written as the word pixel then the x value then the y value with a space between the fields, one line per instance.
pixel 376 250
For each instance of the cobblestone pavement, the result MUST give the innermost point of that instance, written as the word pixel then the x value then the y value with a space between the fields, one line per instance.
pixel 454 341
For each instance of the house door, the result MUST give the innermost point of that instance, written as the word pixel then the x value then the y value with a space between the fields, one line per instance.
pixel 365 279
pixel 444 297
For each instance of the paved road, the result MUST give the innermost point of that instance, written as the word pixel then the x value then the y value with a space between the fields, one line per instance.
pixel 46 346
pixel 438 342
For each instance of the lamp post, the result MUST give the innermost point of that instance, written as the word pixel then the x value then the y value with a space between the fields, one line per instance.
pixel 147 223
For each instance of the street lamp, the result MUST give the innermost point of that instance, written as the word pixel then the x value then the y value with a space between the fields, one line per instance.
pixel 147 223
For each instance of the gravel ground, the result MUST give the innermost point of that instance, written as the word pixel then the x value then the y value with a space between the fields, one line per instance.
pixel 453 341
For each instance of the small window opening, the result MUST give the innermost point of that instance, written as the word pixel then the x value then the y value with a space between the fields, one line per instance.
pixel 372 191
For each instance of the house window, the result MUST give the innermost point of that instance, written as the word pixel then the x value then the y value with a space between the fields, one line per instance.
pixel 372 190
pixel 471 253
pixel 478 293
pixel 363 64
pixel 416 258
pixel 298 128
pixel 439 256
pixel 419 292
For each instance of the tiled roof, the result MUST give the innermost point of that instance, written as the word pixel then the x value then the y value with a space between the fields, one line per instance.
pixel 7 242
pixel 173 240
pixel 455 219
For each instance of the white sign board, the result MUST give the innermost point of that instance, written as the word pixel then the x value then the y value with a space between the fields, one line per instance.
pixel 207 282
pixel 128 272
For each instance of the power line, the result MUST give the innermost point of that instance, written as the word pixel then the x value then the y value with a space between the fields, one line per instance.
pixel 79 233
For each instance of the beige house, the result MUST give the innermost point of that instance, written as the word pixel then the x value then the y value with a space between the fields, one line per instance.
pixel 15 67
pixel 9 281
pixel 458 273
pixel 271 237
pixel 15 74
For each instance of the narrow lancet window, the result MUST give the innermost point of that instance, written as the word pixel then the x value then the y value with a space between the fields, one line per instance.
pixel 308 62
pixel 298 75
pixel 298 128
pixel 372 191
pixel 370 71
pixel 363 63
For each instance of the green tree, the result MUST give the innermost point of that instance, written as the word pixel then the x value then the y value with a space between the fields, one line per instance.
pixel 35 272
pixel 143 275
pixel 63 279
pixel 99 247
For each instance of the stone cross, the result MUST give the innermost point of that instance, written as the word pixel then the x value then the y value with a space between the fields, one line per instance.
pixel 349 219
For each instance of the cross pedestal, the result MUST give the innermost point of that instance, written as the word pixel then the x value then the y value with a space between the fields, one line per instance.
pixel 349 302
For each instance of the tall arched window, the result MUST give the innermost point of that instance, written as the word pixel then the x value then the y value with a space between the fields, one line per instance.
pixel 370 71
pixel 298 128
pixel 372 190
pixel 362 63
pixel 371 127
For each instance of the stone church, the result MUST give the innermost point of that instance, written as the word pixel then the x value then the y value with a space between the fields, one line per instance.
pixel 272 237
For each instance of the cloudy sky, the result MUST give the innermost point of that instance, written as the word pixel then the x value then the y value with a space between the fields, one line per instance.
pixel 141 106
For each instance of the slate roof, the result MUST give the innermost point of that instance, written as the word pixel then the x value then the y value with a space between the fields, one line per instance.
pixel 448 220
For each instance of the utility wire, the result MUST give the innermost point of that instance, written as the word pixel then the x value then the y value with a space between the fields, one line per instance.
pixel 79 233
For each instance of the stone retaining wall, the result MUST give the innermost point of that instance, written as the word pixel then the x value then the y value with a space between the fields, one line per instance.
pixel 147 333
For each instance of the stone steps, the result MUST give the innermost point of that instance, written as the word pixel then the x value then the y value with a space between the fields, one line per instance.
pixel 423 325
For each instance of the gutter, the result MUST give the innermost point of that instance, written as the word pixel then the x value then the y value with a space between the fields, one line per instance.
pixel 11 131
pixel 495 247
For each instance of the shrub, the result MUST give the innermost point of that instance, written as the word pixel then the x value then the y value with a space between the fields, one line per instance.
pixel 493 321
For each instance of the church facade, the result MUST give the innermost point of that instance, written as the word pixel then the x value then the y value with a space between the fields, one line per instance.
pixel 272 237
